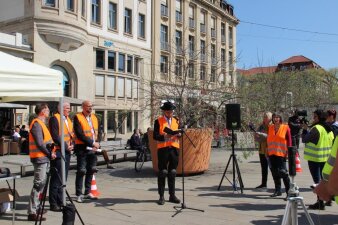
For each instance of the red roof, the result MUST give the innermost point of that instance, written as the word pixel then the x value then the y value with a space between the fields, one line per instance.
pixel 258 70
pixel 296 59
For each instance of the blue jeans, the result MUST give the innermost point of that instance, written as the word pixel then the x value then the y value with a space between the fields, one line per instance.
pixel 86 166
pixel 316 169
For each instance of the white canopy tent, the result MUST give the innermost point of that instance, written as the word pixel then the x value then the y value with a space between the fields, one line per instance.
pixel 23 80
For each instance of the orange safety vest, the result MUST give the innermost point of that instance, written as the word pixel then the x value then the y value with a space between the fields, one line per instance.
pixel 276 142
pixel 174 126
pixel 68 132
pixel 34 151
pixel 86 128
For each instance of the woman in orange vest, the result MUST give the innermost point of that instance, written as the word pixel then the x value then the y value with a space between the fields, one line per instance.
pixel 167 153
pixel 278 141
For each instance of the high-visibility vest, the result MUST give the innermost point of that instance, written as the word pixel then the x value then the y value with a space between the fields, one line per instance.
pixel 86 128
pixel 34 151
pixel 276 142
pixel 321 151
pixel 68 132
pixel 328 167
pixel 174 126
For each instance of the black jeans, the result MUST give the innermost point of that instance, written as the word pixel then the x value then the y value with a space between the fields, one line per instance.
pixel 55 185
pixel 167 164
pixel 316 169
pixel 86 166
pixel 264 169
pixel 279 171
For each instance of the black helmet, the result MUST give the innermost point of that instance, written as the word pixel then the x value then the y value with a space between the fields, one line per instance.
pixel 168 105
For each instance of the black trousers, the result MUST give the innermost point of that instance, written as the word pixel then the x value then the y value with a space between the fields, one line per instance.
pixel 264 169
pixel 167 164
pixel 86 167
pixel 279 171
pixel 55 190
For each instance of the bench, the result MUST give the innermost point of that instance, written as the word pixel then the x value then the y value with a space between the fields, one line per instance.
pixel 23 165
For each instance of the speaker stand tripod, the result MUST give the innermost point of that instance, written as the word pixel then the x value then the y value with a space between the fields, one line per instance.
pixel 235 168
pixel 291 210
pixel 179 209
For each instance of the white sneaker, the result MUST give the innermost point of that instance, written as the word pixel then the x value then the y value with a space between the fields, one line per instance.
pixel 90 196
pixel 79 199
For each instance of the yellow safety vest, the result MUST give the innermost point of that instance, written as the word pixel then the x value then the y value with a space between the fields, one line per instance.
pixel 321 151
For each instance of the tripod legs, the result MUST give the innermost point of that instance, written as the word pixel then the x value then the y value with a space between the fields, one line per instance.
pixel 291 215
pixel 183 206
pixel 235 170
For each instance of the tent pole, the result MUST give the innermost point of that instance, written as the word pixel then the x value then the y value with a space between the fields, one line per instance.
pixel 63 163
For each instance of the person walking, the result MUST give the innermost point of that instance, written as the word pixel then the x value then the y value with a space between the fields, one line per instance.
pixel 86 130
pixel 318 143
pixel 260 137
pixel 278 141
pixel 55 187
pixel 40 155
pixel 167 151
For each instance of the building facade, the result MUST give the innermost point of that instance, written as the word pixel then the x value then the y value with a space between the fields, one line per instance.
pixel 103 48
pixel 195 41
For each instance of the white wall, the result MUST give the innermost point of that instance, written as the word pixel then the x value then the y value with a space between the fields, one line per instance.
pixel 11 9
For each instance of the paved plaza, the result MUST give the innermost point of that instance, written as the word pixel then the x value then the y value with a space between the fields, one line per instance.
pixel 128 197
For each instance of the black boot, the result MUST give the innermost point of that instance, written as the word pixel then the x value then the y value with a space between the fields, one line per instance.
pixel 161 200
pixel 174 199
pixel 276 193
pixel 319 205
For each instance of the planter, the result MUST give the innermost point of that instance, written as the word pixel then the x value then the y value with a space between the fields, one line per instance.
pixel 196 160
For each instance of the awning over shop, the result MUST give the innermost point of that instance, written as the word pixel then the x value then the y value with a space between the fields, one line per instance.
pixel 12 106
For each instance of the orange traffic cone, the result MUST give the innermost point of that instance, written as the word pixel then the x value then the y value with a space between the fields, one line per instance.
pixel 93 189
pixel 298 166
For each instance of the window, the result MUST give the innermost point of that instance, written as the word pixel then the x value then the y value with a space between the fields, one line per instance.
pixel 129 122
pixel 223 32
pixel 191 45
pixel 129 64
pixel 111 122
pixel 83 8
pixel 135 89
pixel 120 87
pixel 164 37
pixel 96 8
pixel 66 79
pixel 164 2
pixel 127 21
pixel 99 85
pixel 122 62
pixel 191 12
pixel 178 11
pixel 223 57
pixel 231 61
pixel 213 51
pixel 213 22
pixel 112 16
pixel 136 65
pixel 70 5
pixel 136 119
pixel 128 88
pixel 230 36
pixel 178 5
pixel 110 86
pixel 202 73
pixel 178 42
pixel 141 26
pixel 191 70
pixel 202 47
pixel 178 67
pixel 213 74
pixel 121 117
pixel 164 64
pixel 99 59
pixel 202 17
pixel 111 60
pixel 50 3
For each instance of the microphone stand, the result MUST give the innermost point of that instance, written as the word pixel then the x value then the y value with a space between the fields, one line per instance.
pixel 179 209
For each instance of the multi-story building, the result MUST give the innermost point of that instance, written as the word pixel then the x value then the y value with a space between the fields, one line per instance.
pixel 196 37
pixel 103 48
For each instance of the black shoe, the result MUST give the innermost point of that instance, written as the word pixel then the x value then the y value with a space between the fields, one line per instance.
pixel 55 208
pixel 39 211
pixel 277 193
pixel 35 217
pixel 318 205
pixel 174 199
pixel 161 201
pixel 260 186
pixel 329 203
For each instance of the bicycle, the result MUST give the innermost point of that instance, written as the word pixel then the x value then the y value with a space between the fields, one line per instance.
pixel 141 157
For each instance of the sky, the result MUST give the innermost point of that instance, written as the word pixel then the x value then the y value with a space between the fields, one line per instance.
pixel 266 46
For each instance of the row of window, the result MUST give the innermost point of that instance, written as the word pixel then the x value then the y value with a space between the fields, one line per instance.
pixel 126 121
pixel 112 15
pixel 112 86
pixel 117 61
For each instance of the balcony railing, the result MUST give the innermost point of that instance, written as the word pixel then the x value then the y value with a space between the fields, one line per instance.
pixel 213 33
pixel 178 17
pixel 223 38
pixel 191 23
pixel 164 10
pixel 164 46
pixel 203 28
